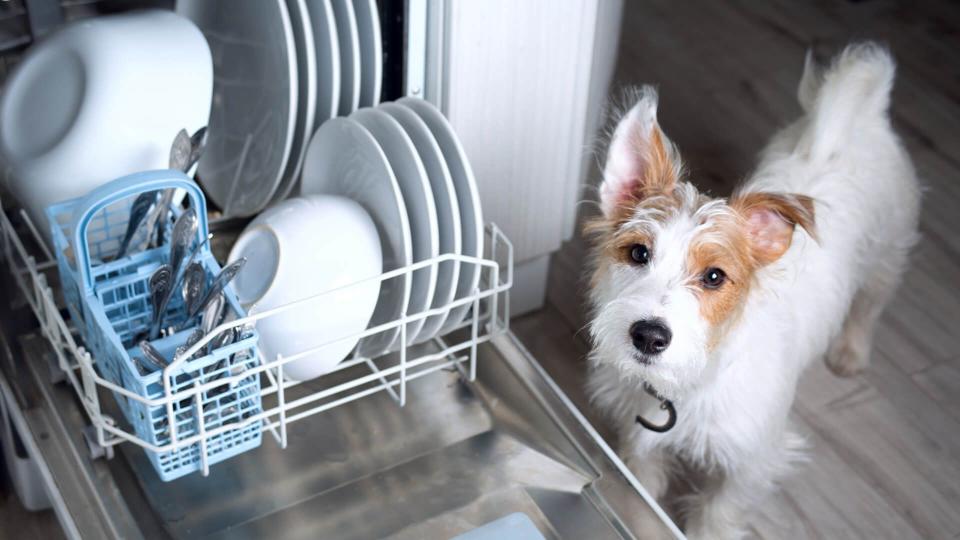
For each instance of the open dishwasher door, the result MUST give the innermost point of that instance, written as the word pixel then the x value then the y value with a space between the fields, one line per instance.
pixel 458 455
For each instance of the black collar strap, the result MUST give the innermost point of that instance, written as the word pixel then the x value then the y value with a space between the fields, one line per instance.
pixel 665 405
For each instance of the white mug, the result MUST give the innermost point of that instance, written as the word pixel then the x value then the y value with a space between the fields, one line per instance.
pixel 100 99
pixel 299 248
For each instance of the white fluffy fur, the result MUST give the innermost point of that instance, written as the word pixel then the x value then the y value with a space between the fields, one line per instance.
pixel 820 299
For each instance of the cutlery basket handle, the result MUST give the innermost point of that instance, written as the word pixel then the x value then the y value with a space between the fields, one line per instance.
pixel 119 189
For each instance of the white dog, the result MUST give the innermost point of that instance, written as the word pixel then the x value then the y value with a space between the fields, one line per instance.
pixel 713 307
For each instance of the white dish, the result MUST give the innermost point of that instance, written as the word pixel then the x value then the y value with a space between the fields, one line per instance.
pixel 254 100
pixel 328 59
pixel 350 67
pixel 471 217
pixel 306 89
pixel 448 210
pixel 371 51
pixel 79 110
pixel 344 159
pixel 300 248
pixel 421 210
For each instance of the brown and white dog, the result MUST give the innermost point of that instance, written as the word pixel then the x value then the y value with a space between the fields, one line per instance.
pixel 718 305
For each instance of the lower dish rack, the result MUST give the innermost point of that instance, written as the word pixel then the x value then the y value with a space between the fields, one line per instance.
pixel 487 318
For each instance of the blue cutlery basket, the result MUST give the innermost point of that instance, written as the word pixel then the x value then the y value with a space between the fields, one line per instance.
pixel 109 303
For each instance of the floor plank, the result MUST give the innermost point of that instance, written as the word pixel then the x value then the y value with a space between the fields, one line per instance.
pixel 942 383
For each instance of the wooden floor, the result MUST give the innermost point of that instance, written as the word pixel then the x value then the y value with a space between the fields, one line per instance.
pixel 885 456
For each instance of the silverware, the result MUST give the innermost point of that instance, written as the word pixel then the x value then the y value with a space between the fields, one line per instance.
pixel 154 360
pixel 180 151
pixel 222 280
pixel 194 284
pixel 212 313
pixel 180 154
pixel 159 287
pixel 138 210
pixel 192 340
pixel 222 340
pixel 184 229
pixel 157 226
pixel 198 143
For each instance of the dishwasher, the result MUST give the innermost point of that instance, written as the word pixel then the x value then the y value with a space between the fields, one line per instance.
pixel 463 434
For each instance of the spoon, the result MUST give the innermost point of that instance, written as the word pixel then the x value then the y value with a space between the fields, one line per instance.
pixel 159 286
pixel 192 340
pixel 212 313
pixel 222 280
pixel 180 150
pixel 138 210
pixel 154 360
pixel 198 143
pixel 194 283
pixel 180 155
pixel 183 231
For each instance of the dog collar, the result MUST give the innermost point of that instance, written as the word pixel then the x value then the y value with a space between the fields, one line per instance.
pixel 665 405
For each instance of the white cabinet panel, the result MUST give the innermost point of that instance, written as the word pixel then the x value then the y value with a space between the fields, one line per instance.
pixel 517 82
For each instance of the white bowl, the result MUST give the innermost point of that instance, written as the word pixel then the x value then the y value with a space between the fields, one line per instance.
pixel 299 248
pixel 101 99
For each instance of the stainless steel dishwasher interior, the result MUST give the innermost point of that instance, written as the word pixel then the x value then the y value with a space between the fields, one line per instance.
pixel 458 455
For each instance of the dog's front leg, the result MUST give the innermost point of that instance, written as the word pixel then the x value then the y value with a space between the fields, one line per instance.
pixel 718 512
pixel 652 470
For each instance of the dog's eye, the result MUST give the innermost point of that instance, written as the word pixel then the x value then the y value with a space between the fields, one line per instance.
pixel 713 278
pixel 640 254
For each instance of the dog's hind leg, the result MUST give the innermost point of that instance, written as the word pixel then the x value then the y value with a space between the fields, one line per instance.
pixel 849 353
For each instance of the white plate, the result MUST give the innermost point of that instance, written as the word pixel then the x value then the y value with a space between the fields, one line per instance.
pixel 421 210
pixel 371 51
pixel 255 96
pixel 468 198
pixel 328 59
pixel 307 90
pixel 344 159
pixel 350 67
pixel 448 210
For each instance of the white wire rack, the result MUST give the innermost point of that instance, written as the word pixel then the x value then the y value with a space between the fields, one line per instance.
pixel 488 316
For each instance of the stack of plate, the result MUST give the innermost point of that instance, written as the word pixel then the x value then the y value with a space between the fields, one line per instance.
pixel 404 164
pixel 281 68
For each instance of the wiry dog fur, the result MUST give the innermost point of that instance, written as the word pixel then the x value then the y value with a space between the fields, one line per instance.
pixel 812 247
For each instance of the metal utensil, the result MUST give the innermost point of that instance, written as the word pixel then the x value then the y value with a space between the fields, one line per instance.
pixel 198 143
pixel 222 340
pixel 180 151
pixel 159 287
pixel 179 158
pixel 153 359
pixel 192 340
pixel 138 210
pixel 184 229
pixel 223 279
pixel 212 313
pixel 157 225
pixel 194 284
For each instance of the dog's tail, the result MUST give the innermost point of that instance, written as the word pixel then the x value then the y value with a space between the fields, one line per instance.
pixel 854 88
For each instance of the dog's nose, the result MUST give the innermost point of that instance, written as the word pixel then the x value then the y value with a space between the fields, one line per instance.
pixel 650 336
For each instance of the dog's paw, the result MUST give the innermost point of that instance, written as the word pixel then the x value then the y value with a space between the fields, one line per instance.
pixel 846 359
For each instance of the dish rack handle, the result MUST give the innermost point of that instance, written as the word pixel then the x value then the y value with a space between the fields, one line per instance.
pixel 121 188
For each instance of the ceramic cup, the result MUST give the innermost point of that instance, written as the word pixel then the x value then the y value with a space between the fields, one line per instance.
pixel 299 248
pixel 100 99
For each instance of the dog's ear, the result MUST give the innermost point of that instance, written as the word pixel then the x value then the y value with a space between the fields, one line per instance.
pixel 770 219
pixel 640 160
